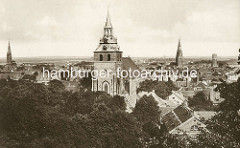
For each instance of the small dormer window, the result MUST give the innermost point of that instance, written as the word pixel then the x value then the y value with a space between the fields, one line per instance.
pixel 194 128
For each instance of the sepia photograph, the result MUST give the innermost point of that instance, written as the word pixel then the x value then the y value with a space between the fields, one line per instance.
pixel 119 74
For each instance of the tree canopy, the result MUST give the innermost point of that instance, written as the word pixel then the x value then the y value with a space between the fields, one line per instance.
pixel 36 115
pixel 200 102
pixel 30 118
pixel 162 89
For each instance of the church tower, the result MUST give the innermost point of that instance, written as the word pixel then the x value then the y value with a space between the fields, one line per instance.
pixel 108 58
pixel 179 56
pixel 214 60
pixel 9 54
pixel 239 57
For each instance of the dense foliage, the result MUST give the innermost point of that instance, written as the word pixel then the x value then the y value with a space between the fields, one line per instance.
pixel 228 120
pixel 86 82
pixel 223 128
pixel 146 110
pixel 162 89
pixel 36 115
pixel 200 102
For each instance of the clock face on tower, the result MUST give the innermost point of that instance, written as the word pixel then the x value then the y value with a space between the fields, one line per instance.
pixel 104 47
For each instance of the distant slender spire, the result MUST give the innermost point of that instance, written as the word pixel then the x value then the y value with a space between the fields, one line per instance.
pixel 179 56
pixel 9 54
pixel 9 47
pixel 179 44
pixel 214 60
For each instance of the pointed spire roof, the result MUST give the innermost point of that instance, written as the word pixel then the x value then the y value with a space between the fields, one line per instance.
pixel 108 23
pixel 108 36
pixel 9 47
pixel 179 49
pixel 179 44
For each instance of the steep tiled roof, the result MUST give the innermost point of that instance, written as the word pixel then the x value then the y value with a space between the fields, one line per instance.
pixel 179 95
pixel 188 93
pixel 128 63
pixel 204 114
pixel 176 117
pixel 183 113
pixel 171 121
pixel 165 110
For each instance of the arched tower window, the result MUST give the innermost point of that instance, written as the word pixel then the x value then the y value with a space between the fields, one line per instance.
pixel 101 57
pixel 109 57
pixel 106 87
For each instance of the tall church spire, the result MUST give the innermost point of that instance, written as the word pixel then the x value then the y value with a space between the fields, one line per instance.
pixel 179 44
pixel 179 56
pixel 9 47
pixel 108 29
pixel 108 32
pixel 9 54
pixel 108 23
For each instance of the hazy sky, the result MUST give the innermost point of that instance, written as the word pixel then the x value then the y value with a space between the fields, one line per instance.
pixel 143 27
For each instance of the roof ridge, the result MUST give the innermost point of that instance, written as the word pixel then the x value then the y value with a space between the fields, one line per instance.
pixel 177 117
